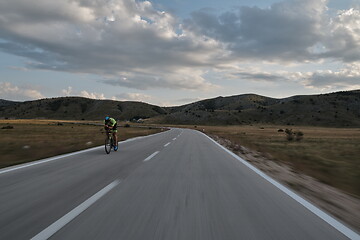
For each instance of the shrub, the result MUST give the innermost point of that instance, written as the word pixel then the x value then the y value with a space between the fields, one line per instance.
pixel 289 134
pixel 299 135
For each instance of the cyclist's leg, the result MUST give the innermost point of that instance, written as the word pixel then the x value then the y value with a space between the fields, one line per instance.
pixel 115 137
pixel 115 134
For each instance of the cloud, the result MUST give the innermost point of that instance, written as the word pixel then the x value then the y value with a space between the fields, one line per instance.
pixel 133 97
pixel 293 30
pixel 347 78
pixel 343 41
pixel 132 44
pixel 67 92
pixel 257 76
pixel 9 91
pixel 188 100
pixel 70 92
pixel 92 95
pixel 117 40
pixel 184 78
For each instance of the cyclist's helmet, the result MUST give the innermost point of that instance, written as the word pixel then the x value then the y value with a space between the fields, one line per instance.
pixel 107 118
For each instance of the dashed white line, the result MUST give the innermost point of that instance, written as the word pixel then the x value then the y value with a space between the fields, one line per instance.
pixel 56 226
pixel 167 144
pixel 174 139
pixel 151 156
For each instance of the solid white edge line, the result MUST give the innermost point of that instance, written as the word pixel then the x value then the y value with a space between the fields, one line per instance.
pixel 167 144
pixel 318 212
pixel 56 226
pixel 13 168
pixel 151 156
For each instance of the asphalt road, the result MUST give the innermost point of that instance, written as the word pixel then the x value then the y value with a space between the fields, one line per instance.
pixel 175 185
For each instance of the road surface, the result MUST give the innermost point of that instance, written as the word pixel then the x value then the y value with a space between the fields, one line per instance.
pixel 177 184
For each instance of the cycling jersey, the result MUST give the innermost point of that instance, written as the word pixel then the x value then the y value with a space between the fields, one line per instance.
pixel 112 123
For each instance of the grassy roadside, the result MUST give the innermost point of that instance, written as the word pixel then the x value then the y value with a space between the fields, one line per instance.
pixel 36 139
pixel 330 155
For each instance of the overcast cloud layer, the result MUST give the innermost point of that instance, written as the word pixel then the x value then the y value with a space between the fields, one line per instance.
pixel 298 30
pixel 130 43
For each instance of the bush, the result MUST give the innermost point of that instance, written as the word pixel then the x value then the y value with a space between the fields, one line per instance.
pixel 299 135
pixel 290 135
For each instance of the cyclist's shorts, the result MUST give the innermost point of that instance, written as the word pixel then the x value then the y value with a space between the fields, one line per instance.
pixel 114 129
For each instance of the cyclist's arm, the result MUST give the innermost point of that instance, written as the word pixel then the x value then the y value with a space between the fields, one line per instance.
pixel 111 124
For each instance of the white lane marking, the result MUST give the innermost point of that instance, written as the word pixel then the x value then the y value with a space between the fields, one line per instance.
pixel 326 217
pixel 10 169
pixel 167 144
pixel 56 226
pixel 151 156
pixel 174 139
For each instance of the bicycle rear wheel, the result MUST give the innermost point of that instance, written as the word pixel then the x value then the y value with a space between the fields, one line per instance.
pixel 108 145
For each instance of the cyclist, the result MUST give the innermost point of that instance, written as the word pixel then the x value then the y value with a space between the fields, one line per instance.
pixel 111 126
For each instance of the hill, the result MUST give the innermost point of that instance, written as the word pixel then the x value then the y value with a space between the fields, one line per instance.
pixel 4 103
pixel 339 109
pixel 77 108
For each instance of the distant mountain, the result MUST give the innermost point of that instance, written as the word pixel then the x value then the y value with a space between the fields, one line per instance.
pixel 4 103
pixel 335 109
pixel 339 109
pixel 77 108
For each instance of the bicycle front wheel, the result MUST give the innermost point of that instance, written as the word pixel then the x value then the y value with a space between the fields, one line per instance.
pixel 108 146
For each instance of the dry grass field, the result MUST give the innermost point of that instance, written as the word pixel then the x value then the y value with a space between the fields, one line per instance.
pixel 331 155
pixel 36 139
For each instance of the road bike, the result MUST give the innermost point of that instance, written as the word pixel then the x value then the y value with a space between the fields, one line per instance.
pixel 109 142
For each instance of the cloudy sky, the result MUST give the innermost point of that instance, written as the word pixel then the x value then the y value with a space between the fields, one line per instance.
pixel 175 52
